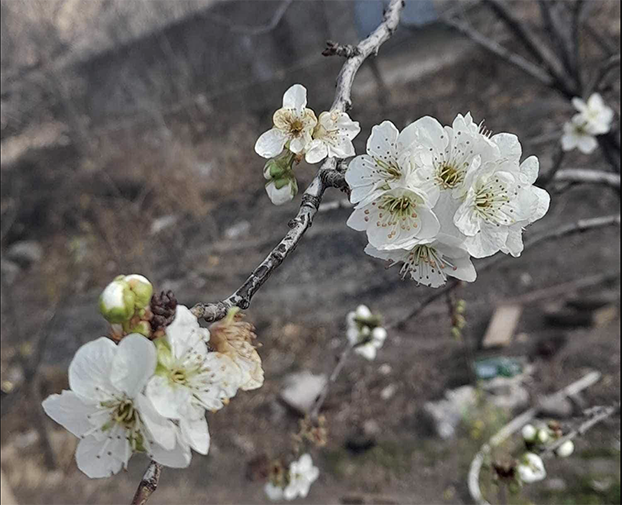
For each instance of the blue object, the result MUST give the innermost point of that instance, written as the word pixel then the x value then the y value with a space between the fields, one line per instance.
pixel 368 14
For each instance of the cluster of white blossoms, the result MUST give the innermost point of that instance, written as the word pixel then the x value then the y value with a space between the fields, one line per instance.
pixel 364 332
pixel 593 118
pixel 531 467
pixel 431 197
pixel 296 482
pixel 298 133
pixel 150 396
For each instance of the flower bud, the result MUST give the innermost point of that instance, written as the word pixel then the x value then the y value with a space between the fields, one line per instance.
pixel 142 289
pixel 543 436
pixel 282 190
pixel 566 449
pixel 379 334
pixel 529 433
pixel 279 167
pixel 363 312
pixel 116 303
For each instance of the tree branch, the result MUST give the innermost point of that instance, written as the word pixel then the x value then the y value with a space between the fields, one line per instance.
pixel 579 226
pixel 148 484
pixel 591 418
pixel 497 49
pixel 327 176
pixel 581 175
pixel 512 427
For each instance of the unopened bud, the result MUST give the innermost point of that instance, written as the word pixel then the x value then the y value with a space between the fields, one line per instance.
pixel 529 433
pixel 456 333
pixel 116 303
pixel 142 289
pixel 363 312
pixel 282 190
pixel 379 334
pixel 543 436
pixel 279 167
pixel 566 449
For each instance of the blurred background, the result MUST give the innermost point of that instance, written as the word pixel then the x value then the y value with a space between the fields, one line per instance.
pixel 127 136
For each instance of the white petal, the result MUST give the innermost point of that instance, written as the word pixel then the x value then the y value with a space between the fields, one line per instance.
pixel 70 411
pixel 587 144
pixel 185 334
pixel 168 398
pixel 529 170
pixel 273 492
pixel 490 240
pixel 509 146
pixel 299 144
pixel 368 351
pixel 357 221
pixel 464 269
pixel 133 364
pixel 195 433
pixel 295 97
pixel 382 143
pixel 542 207
pixel 95 460
pixel 162 430
pixel 579 104
pixel 89 370
pixel 270 143
pixel 465 218
pixel 316 152
pixel 279 196
pixel 178 457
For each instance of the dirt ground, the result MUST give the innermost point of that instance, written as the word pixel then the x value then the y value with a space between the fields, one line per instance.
pixel 300 312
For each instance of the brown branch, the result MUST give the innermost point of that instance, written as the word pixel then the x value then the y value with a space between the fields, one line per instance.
pixel 341 361
pixel 329 175
pixel 591 418
pixel 148 484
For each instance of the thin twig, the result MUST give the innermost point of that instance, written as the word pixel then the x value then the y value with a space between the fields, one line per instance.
pixel 341 361
pixel 603 71
pixel 312 197
pixel 148 484
pixel 498 50
pixel 512 427
pixel 251 30
pixel 592 417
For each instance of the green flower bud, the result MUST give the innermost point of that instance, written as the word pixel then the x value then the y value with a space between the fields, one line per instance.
pixel 116 303
pixel 142 289
pixel 279 167
pixel 456 333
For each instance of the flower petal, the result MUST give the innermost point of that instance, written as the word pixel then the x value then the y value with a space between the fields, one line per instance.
pixel 70 411
pixel 382 143
pixel 133 364
pixel 89 370
pixel 162 429
pixel 195 433
pixel 270 143
pixel 95 460
pixel 295 97
pixel 316 151
pixel 167 398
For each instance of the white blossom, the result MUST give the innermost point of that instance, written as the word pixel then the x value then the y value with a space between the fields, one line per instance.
pixel 293 125
pixel 274 493
pixel 189 379
pixel 597 115
pixel 566 449
pixel 283 190
pixel 375 340
pixel 529 433
pixel 332 137
pixel 302 474
pixel 430 263
pixel 577 136
pixel 107 410
pixel 531 468
pixel 594 118
pixel 396 219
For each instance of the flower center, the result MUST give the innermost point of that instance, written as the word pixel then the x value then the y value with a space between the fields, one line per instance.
pixel 125 414
pixel 179 376
pixel 491 203
pixel 448 177
pixel 296 126
pixel 392 171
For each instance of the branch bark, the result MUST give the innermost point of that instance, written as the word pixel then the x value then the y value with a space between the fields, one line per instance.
pixel 328 176
pixel 148 484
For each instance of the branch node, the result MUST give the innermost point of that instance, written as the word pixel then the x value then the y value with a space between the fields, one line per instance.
pixel 335 49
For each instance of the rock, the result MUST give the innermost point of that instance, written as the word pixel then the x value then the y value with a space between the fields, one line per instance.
pixel 161 223
pixel 301 390
pixel 238 230
pixel 25 253
pixel 388 392
pixel 557 408
pixel 507 393
pixel 556 485
pixel 447 413
pixel 10 271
